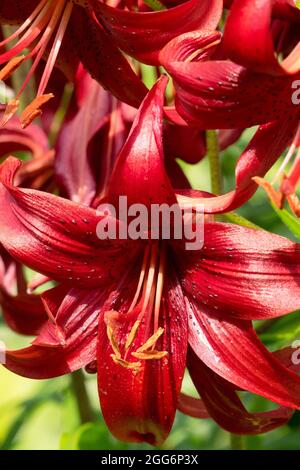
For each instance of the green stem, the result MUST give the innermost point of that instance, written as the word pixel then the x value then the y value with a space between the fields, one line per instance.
pixel 240 220
pixel 60 114
pixel 155 4
pixel 19 76
pixel 264 327
pixel 82 398
pixel 237 442
pixel 214 161
pixel 216 179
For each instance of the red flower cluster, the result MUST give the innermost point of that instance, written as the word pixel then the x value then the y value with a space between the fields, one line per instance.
pixel 139 312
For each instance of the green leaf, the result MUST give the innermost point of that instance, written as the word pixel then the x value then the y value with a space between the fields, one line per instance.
pixel 284 331
pixel 289 220
pixel 91 436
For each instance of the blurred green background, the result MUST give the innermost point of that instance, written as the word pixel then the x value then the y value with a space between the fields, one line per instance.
pixel 44 414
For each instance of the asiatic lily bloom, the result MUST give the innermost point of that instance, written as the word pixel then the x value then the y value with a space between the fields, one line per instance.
pixel 213 92
pixel 70 31
pixel 131 307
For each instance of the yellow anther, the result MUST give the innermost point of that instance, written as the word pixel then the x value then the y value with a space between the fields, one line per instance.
pixel 147 355
pixel 151 341
pixel 135 366
pixel 34 110
pixel 113 341
pixel 132 334
pixel 10 110
pixel 11 66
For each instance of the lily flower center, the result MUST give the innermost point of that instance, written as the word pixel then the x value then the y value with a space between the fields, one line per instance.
pixel 46 26
pixel 146 305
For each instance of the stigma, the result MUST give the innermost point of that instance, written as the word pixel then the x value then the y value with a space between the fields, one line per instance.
pixel 43 30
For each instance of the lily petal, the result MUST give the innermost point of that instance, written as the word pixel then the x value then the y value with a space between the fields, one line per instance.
pixel 139 172
pixel 191 406
pixel 219 94
pixel 58 237
pixel 23 313
pixel 233 351
pixel 239 272
pixel 140 404
pixel 67 342
pixel 268 143
pixel 250 42
pixel 226 408
pixel 80 154
pixel 142 35
pixel 101 57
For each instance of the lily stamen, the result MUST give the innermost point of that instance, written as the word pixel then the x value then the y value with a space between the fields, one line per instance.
pixel 48 17
pixel 128 365
pixel 288 156
pixel 151 341
pixel 141 279
pixel 159 288
pixel 148 294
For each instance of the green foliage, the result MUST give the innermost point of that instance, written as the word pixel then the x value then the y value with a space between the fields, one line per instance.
pixel 289 220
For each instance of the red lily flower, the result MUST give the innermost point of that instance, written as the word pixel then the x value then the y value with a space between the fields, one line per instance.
pixel 220 94
pixel 46 25
pixel 142 301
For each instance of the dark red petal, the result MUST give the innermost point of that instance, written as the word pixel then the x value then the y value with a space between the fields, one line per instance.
pixel 58 237
pixel 88 143
pixel 268 143
pixel 248 37
pixel 192 406
pixel 139 172
pixel 141 406
pixel 67 342
pixel 225 407
pixel 103 60
pixel 142 35
pixel 283 9
pixel 16 11
pixel 240 271
pixel 233 351
pixel 219 93
pixel 13 138
pixel 184 142
pixel 223 95
pixel 290 356
pixel 23 313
